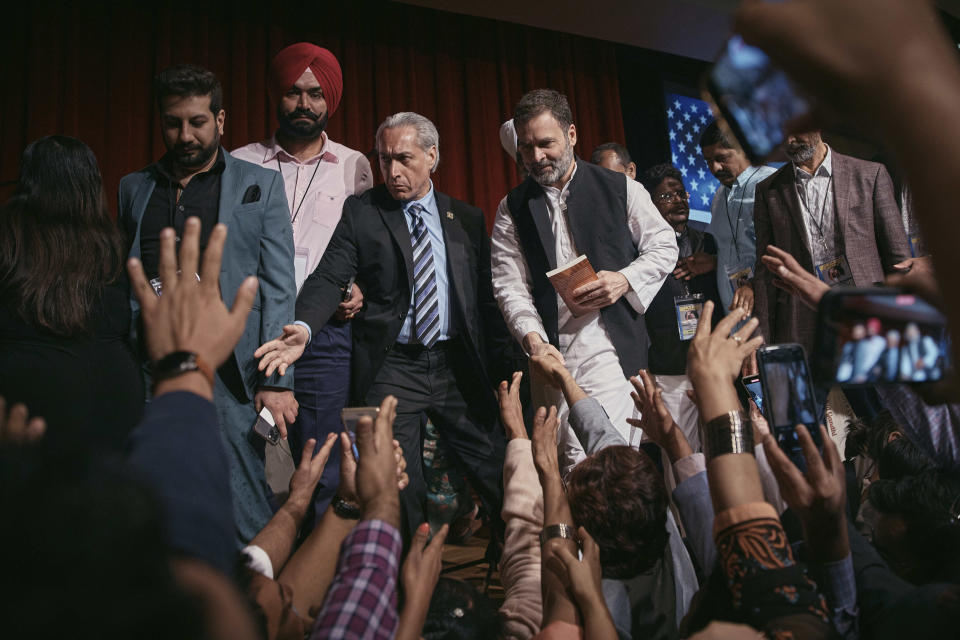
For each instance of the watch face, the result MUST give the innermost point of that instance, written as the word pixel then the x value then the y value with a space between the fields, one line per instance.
pixel 174 364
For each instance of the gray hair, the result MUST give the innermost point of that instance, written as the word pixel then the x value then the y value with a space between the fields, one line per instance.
pixel 427 134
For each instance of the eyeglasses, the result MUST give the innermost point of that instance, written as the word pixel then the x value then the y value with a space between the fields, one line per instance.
pixel 679 194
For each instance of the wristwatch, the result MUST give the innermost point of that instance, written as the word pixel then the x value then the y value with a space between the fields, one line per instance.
pixel 178 363
pixel 346 510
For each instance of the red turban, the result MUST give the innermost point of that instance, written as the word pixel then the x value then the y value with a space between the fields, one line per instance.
pixel 291 62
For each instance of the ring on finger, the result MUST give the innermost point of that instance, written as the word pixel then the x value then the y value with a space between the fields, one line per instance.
pixel 738 339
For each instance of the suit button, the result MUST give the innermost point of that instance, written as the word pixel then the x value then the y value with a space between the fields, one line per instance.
pixel 386 349
pixel 402 315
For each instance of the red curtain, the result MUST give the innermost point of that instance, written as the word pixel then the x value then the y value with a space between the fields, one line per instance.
pixel 85 70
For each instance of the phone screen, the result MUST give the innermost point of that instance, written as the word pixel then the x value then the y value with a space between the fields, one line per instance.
pixel 349 417
pixel 754 389
pixel 755 98
pixel 788 397
pixel 870 336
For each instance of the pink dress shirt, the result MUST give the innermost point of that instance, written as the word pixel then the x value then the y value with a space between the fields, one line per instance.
pixel 316 190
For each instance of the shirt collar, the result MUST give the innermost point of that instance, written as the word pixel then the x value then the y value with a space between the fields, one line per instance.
pixel 745 177
pixel 825 168
pixel 163 166
pixel 273 151
pixel 428 202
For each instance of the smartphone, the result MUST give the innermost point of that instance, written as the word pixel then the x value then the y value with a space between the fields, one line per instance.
pixel 876 335
pixel 752 98
pixel 349 417
pixel 348 290
pixel 754 389
pixel 266 427
pixel 788 397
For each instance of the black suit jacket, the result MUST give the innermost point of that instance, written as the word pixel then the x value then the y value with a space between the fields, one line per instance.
pixel 372 243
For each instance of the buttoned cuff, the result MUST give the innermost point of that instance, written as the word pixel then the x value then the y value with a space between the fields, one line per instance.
pixel 529 324
pixel 307 327
pixel 689 466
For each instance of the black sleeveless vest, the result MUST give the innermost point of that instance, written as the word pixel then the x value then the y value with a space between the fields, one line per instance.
pixel 597 218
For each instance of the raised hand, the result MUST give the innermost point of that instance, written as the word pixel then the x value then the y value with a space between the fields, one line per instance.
pixel 376 469
pixel 793 278
pixel 818 496
pixel 655 421
pixel 15 428
pixel 511 412
pixel 280 353
pixel 304 480
pixel 545 442
pixel 190 315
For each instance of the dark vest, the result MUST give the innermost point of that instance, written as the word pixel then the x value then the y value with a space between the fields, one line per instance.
pixel 597 218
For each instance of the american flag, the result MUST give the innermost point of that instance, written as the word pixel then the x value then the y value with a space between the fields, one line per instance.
pixel 686 118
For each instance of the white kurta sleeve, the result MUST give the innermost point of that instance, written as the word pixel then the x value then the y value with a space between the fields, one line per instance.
pixel 656 243
pixel 512 284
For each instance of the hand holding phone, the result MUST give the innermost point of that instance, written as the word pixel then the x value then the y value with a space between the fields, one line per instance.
pixel 349 416
pixel 266 427
pixel 788 397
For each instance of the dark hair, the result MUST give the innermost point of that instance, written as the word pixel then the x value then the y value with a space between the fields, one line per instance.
pixel 902 458
pixel 459 612
pixel 712 135
pixel 188 80
pixel 869 437
pixel 618 496
pixel 80 532
pixel 622 154
pixel 929 504
pixel 656 174
pixel 535 102
pixel 58 245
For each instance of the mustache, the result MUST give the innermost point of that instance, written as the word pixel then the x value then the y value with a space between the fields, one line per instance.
pixel 723 174
pixel 187 148
pixel 303 113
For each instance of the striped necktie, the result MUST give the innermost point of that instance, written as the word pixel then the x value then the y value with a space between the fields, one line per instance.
pixel 426 306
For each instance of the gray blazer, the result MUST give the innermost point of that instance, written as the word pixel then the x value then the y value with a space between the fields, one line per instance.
pixel 871 237
pixel 259 243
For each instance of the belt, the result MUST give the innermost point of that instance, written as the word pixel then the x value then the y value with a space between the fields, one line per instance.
pixel 415 349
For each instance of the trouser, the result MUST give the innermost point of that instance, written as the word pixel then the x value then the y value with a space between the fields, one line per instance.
pixel 322 386
pixel 440 383
pixel 248 481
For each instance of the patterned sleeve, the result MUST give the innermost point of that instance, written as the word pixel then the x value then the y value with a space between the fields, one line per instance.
pixel 362 601
pixel 767 587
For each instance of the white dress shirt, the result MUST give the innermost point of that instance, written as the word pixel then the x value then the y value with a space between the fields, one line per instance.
pixel 815 193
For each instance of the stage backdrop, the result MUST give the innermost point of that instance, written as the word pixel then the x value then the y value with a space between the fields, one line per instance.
pixel 85 70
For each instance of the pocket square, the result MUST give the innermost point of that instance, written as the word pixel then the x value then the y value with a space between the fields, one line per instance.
pixel 252 194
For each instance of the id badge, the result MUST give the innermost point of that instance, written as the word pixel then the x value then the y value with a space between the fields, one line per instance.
pixel 300 266
pixel 739 279
pixel 835 272
pixel 688 309
pixel 915 245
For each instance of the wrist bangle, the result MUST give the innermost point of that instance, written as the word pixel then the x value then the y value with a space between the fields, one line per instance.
pixel 344 509
pixel 731 432
pixel 558 531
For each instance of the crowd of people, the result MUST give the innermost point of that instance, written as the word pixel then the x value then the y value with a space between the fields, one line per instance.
pixel 629 488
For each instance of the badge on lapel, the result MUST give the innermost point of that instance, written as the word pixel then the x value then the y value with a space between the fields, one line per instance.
pixel 450 215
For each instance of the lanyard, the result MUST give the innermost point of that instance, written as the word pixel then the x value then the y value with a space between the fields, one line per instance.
pixel 822 207
pixel 734 232
pixel 305 191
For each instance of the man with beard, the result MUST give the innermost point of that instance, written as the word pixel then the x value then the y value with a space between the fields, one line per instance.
pixel 563 209
pixel 669 338
pixel 827 210
pixel 731 218
pixel 198 178
pixel 306 84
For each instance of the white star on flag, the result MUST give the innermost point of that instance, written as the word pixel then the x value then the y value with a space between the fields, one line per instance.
pixel 705 200
pixel 700 173
pixel 673 135
pixel 688 137
pixel 695 185
pixel 683 171
pixel 676 104
pixel 670 113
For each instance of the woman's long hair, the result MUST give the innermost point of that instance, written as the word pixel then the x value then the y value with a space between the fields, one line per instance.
pixel 58 245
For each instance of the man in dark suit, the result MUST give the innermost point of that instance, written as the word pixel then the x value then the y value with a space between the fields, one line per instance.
pixel 197 177
pixel 823 207
pixel 429 325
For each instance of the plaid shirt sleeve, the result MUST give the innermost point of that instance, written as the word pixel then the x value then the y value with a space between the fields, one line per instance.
pixel 362 601
pixel 838 583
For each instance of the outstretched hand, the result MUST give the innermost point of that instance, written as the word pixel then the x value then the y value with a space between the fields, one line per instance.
pixel 511 411
pixel 545 442
pixel 304 480
pixel 190 315
pixel 15 428
pixel 280 353
pixel 376 469
pixel 818 496
pixel 655 421
pixel 793 278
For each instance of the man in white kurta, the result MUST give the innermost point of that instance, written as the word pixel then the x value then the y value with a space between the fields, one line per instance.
pixel 545 142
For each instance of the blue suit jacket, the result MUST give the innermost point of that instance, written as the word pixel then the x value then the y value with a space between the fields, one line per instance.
pixel 259 243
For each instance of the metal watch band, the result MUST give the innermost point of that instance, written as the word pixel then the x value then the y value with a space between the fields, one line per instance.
pixel 731 432
pixel 558 531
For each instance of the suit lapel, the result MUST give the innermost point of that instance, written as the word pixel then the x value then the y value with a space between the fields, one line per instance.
pixel 456 240
pixel 791 202
pixel 394 219
pixel 541 218
pixel 139 206
pixel 230 193
pixel 842 192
